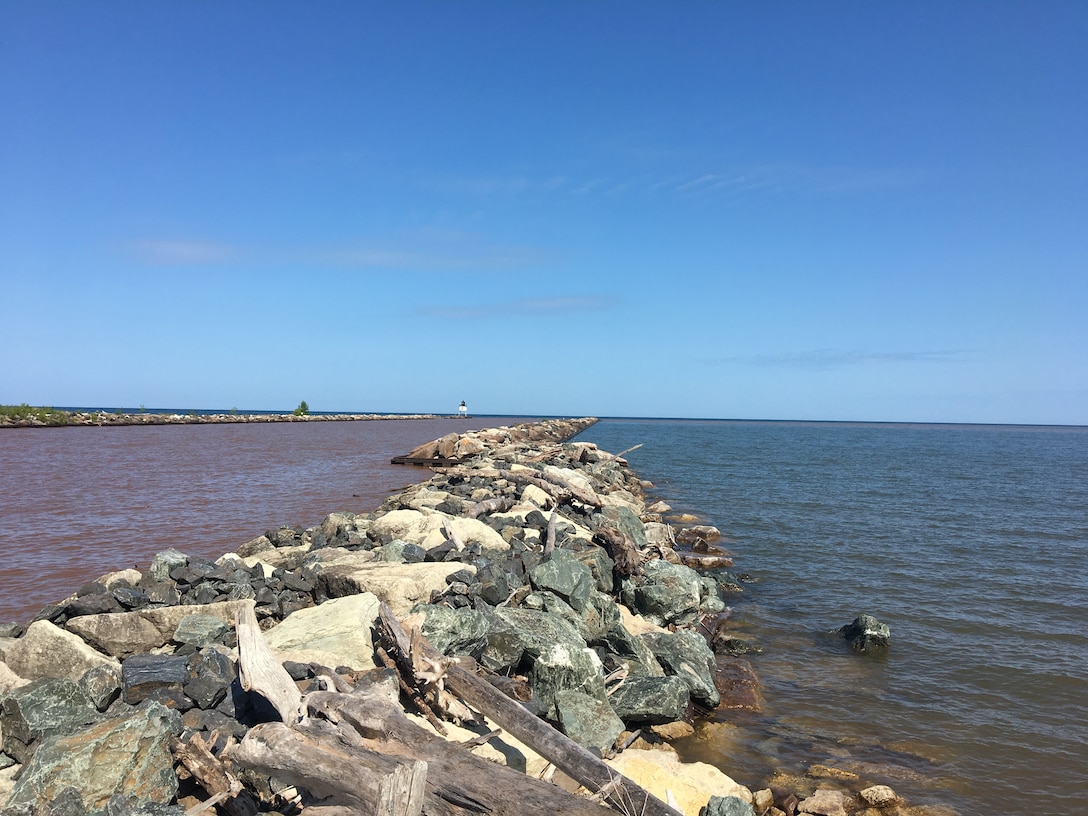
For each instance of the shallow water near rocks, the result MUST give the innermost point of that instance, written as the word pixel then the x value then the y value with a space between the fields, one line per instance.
pixel 970 542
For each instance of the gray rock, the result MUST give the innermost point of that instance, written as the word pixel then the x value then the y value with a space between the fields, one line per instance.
pixel 620 646
pixel 670 593
pixel 627 522
pixel 686 655
pixel 651 700
pixel 454 631
pixel 43 708
pixel 726 806
pixel 867 634
pixel 589 721
pixel 566 576
pixel 102 685
pixel 164 563
pixel 202 630
pixel 600 566
pixel 212 674
pixel 147 676
pixel 824 802
pixel 562 667
pixel 127 755
pixel 48 651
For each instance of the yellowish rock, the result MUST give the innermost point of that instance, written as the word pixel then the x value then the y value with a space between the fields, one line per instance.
pixel 690 783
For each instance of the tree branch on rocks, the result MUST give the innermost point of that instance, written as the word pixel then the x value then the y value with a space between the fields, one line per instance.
pixel 499 504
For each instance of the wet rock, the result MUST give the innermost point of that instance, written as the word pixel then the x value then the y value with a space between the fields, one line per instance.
pixel 866 634
pixel 818 771
pixel 727 806
pixel 879 796
pixel 127 755
pixel 43 708
pixel 651 700
pixel 824 802
pixel 686 655
pixel 738 685
pixel 588 720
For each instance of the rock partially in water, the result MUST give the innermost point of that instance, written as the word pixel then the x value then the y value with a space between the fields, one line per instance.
pixel 867 634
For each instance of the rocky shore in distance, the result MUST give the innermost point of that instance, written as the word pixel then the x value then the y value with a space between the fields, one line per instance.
pixel 43 418
pixel 534 561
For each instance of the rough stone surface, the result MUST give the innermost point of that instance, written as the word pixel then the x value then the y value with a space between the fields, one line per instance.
pixel 824 802
pixel 563 668
pixel 587 720
pixel 867 634
pixel 727 806
pixel 201 630
pixel 46 650
pixel 879 796
pixel 102 685
pixel 651 700
pixel 401 586
pixel 336 633
pixel 43 708
pixel 686 655
pixel 147 676
pixel 127 755
pixel 566 576
pixel 692 783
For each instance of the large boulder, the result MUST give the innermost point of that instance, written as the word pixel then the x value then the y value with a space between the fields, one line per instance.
pixel 562 573
pixel 335 633
pixel 588 720
pixel 562 668
pixel 651 700
pixel 128 755
pixel 123 634
pixel 43 708
pixel 401 586
pixel 46 650
pixel 670 593
pixel 691 783
pixel 686 655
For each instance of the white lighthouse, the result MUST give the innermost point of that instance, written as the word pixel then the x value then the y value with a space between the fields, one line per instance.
pixel 462 410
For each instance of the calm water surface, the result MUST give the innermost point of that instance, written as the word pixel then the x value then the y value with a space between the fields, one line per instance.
pixel 970 542
pixel 78 502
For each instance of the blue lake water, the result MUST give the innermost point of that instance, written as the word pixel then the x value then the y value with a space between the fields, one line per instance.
pixel 970 542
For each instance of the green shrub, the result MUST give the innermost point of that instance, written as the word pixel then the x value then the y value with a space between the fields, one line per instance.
pixel 303 409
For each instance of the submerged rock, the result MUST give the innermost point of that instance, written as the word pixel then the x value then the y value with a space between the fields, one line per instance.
pixel 866 634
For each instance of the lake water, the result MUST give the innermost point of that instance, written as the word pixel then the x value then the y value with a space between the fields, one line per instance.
pixel 77 502
pixel 970 542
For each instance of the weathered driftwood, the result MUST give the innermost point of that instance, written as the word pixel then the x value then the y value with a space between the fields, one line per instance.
pixel 549 538
pixel 223 788
pixel 560 493
pixel 499 504
pixel 261 671
pixel 577 762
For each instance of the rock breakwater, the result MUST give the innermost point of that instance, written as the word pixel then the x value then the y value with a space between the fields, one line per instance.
pixel 533 562
pixel 51 418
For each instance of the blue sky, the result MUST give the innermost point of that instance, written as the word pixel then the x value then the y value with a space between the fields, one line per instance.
pixel 839 211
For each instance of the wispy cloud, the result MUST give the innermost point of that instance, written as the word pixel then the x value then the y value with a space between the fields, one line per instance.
pixel 526 307
pixel 183 253
pixel 454 255
pixel 824 359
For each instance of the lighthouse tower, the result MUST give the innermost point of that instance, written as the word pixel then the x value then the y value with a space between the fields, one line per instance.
pixel 462 411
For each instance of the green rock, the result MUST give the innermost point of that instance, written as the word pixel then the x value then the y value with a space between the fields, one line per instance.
pixel 128 755
pixel 686 655
pixel 651 700
pixel 40 709
pixel 566 576
pixel 589 721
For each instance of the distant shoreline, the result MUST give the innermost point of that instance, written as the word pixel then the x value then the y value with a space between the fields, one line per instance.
pixel 49 418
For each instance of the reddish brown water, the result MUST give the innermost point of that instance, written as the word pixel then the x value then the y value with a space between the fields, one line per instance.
pixel 78 502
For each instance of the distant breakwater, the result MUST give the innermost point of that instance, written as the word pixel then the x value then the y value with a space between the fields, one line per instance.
pixel 49 418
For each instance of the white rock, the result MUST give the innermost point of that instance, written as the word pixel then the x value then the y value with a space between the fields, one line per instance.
pixel 401 586
pixel 879 796
pixel 46 650
pixel 691 783
pixel 336 633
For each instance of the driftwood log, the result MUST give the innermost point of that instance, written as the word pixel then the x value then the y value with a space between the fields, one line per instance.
pixel 357 752
pixel 561 490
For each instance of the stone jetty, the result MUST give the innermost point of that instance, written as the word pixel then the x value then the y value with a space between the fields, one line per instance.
pixel 50 418
pixel 527 603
